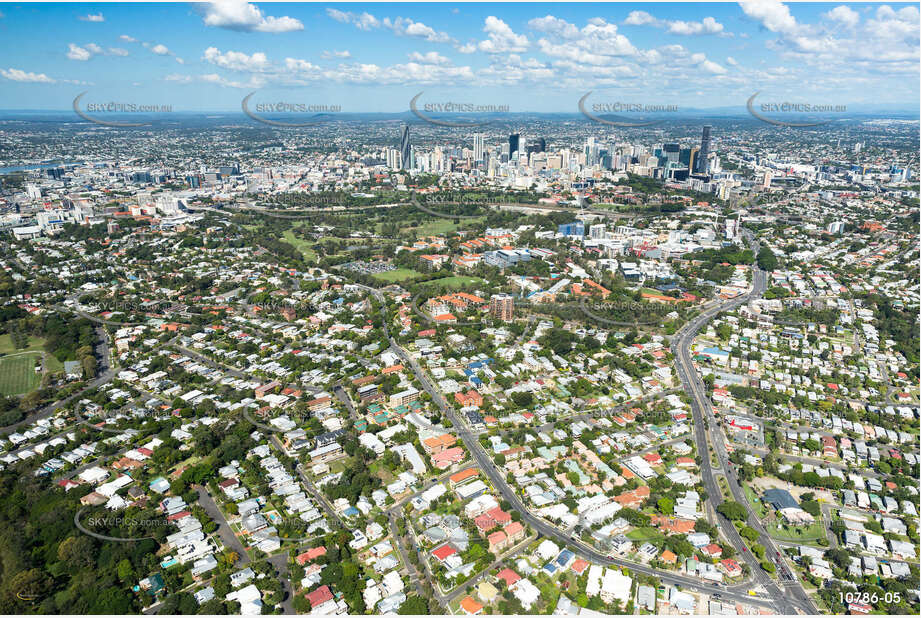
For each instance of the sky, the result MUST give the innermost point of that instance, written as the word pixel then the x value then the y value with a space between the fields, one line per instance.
pixel 370 57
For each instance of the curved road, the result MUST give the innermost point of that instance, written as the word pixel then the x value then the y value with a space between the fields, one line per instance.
pixel 793 599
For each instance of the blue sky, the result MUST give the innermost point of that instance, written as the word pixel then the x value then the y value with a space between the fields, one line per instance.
pixel 369 57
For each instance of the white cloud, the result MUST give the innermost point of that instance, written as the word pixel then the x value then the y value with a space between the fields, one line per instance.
pixel 237 61
pixel 94 18
pixel 75 52
pixel 640 18
pixel 554 25
pixel 160 49
pixel 502 39
pixel 707 26
pixel 300 66
pixel 429 58
pixel 466 48
pixel 88 50
pixel 844 15
pixel 731 61
pixel 400 26
pixel 18 75
pixel 328 55
pixel 406 27
pixel 711 67
pixel 128 39
pixel 365 21
pixel 243 16
pixel 773 15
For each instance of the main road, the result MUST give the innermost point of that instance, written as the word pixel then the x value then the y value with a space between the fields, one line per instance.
pixel 793 599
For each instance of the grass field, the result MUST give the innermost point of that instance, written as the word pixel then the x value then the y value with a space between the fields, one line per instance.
pixel 17 374
pixel 400 274
pixel 36 344
pixel 304 246
pixel 455 282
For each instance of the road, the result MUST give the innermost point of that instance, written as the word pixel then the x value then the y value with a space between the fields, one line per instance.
pixel 224 530
pixel 793 599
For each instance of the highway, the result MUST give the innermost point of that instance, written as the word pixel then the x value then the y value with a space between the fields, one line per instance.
pixel 793 599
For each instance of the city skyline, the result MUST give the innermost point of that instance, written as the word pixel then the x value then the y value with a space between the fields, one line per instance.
pixel 367 58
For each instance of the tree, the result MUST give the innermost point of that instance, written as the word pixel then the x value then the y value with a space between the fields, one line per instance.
pixel 413 606
pixel 125 571
pixel 666 506
pixel 732 511
pixel 766 259
pixel 749 533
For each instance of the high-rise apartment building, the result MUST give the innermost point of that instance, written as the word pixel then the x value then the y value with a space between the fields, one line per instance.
pixel 704 155
pixel 501 307
pixel 405 156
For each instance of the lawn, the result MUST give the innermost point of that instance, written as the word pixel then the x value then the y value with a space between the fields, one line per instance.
pixel 17 373
pixel 7 347
pixel 797 533
pixel 644 534
pixel 400 274
pixel 457 281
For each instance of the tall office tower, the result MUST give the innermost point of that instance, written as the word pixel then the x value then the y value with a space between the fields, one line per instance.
pixel 541 144
pixel 404 148
pixel 768 177
pixel 704 154
pixel 597 231
pixel 479 150
pixel 501 307
pixel 672 152
pixel 513 142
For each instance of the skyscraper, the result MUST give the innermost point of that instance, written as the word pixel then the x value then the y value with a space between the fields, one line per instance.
pixel 478 149
pixel 513 142
pixel 704 154
pixel 405 148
